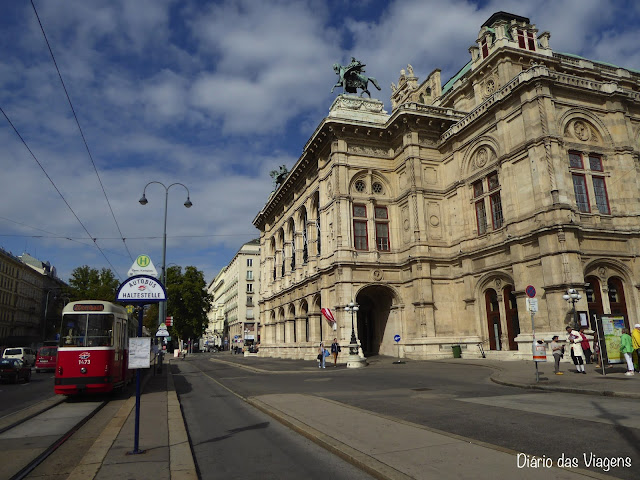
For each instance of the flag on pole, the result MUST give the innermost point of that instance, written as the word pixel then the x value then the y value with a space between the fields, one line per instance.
pixel 328 314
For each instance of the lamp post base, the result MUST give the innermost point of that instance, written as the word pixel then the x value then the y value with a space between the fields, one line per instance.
pixel 354 360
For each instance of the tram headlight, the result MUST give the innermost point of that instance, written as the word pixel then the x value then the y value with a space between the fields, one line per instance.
pixel 83 370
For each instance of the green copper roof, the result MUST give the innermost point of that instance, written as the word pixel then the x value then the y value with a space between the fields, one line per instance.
pixel 463 71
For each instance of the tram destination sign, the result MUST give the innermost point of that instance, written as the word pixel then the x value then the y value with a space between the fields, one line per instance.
pixel 141 289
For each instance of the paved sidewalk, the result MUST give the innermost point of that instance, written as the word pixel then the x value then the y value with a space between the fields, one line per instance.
pixel 387 448
pixel 162 437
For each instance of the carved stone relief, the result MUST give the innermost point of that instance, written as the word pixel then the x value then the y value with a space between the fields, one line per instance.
pixel 406 224
pixel 368 150
pixel 377 275
pixel 489 87
pixel 482 155
pixel 581 130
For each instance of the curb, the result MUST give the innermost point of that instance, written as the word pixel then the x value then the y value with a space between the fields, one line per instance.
pixel 581 391
pixel 181 462
pixel 364 462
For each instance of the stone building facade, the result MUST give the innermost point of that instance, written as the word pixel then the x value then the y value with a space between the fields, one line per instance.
pixel 520 170
pixel 30 300
pixel 235 296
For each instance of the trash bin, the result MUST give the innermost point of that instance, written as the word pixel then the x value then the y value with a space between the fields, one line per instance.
pixel 457 351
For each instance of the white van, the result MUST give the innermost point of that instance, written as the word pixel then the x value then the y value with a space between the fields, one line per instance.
pixel 26 354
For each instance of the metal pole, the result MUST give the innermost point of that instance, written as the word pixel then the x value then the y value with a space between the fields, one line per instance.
pixel 533 346
pixel 44 324
pixel 137 424
pixel 162 306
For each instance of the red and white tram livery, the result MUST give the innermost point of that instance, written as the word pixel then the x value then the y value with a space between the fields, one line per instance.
pixel 93 348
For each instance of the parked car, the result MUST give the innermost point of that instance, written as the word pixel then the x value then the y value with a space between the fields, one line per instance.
pixel 26 354
pixel 14 369
pixel 46 359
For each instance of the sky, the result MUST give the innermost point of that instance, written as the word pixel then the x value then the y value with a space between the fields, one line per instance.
pixel 212 95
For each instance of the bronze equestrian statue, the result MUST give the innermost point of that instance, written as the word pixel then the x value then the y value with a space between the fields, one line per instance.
pixel 351 77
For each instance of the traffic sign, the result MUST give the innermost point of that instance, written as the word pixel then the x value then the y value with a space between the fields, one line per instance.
pixel 168 321
pixel 396 338
pixel 143 266
pixel 162 333
pixel 531 292
pixel 532 305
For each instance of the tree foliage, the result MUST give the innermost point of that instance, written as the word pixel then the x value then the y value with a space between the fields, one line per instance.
pixel 88 283
pixel 188 301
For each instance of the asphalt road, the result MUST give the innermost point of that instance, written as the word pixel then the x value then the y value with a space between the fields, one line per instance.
pixel 15 397
pixel 233 440
pixel 453 398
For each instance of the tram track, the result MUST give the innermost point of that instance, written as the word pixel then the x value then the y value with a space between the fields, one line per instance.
pixel 29 441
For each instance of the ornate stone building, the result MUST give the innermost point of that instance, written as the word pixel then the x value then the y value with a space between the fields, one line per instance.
pixel 520 170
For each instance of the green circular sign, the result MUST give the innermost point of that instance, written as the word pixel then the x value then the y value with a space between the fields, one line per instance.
pixel 143 261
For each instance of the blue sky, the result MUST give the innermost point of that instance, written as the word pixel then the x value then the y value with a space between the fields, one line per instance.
pixel 213 95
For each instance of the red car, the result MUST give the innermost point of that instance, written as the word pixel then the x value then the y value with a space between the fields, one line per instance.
pixel 13 369
pixel 46 359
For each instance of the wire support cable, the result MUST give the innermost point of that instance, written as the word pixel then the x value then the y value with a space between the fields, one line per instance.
pixel 57 189
pixel 84 140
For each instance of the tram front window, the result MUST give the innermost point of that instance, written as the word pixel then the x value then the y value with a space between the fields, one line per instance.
pixel 82 330
pixel 99 330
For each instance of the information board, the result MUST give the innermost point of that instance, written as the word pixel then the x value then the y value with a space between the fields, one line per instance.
pixel 612 329
pixel 139 352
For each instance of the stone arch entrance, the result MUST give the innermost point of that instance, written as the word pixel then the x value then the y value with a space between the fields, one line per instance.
pixel 376 304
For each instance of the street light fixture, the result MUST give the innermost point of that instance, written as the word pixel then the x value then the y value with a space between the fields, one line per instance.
pixel 353 346
pixel 143 201
pixel 572 296
pixel 354 360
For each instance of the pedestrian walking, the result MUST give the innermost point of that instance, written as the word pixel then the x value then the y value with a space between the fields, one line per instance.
pixel 335 350
pixel 558 353
pixel 577 355
pixel 626 347
pixel 635 342
pixel 586 346
pixel 321 356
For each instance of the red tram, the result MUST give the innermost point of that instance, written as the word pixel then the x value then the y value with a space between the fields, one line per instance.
pixel 93 348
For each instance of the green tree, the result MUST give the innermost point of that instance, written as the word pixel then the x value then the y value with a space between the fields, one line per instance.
pixel 88 283
pixel 188 301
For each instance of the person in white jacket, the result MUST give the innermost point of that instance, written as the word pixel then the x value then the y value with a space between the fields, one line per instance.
pixel 577 355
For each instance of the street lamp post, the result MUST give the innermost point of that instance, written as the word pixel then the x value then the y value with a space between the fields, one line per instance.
pixel 354 360
pixel 572 296
pixel 46 309
pixel 143 201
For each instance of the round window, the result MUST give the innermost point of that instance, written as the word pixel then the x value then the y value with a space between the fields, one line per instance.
pixel 377 187
pixel 360 186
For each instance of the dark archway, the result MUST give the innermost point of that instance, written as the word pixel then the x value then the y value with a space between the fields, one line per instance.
pixel 594 299
pixel 493 319
pixel 375 303
pixel 511 311
pixel 617 299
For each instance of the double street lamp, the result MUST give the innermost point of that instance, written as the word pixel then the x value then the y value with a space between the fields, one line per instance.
pixel 572 296
pixel 353 309
pixel 143 201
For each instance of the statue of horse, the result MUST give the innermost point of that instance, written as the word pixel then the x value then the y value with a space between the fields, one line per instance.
pixel 279 175
pixel 351 77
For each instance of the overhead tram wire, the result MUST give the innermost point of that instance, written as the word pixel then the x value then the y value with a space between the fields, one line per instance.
pixel 80 129
pixel 57 190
